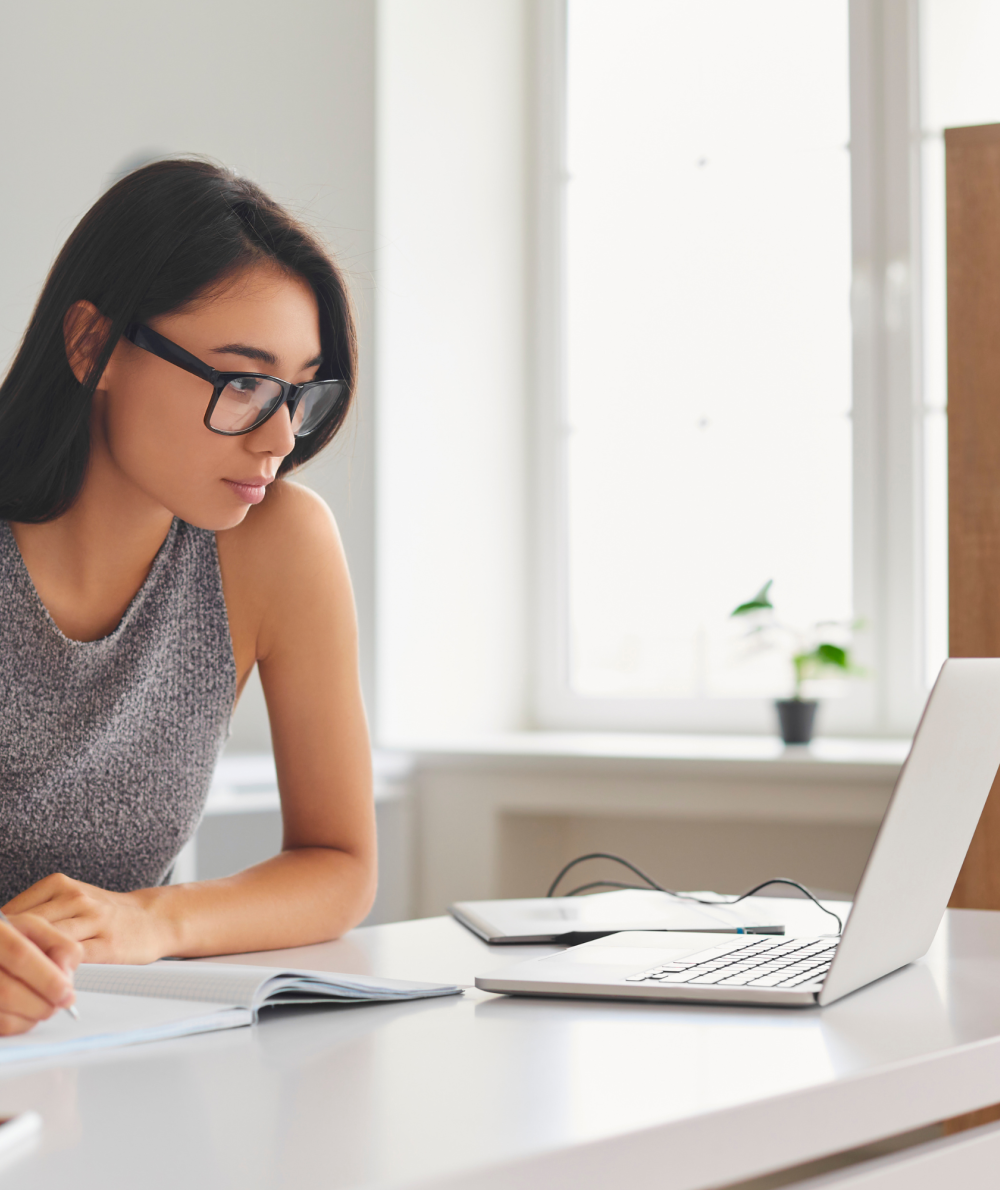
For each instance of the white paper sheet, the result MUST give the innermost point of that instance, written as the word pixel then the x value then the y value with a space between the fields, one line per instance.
pixel 111 1020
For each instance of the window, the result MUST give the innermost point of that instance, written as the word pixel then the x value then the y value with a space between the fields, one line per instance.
pixel 727 210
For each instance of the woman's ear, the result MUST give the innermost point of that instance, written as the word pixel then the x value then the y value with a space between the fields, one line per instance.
pixel 84 331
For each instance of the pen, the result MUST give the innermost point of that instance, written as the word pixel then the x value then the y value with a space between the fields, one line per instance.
pixel 725 930
pixel 72 1008
pixel 575 937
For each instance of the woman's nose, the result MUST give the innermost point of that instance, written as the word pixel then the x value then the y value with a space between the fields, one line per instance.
pixel 275 436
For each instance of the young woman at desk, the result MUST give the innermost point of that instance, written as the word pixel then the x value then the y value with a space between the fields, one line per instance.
pixel 192 346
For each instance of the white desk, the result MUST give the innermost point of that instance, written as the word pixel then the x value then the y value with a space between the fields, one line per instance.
pixel 493 1092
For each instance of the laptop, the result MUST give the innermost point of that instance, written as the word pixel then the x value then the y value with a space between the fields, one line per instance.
pixel 904 890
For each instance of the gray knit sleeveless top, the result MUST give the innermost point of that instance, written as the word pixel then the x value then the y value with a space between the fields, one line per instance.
pixel 107 747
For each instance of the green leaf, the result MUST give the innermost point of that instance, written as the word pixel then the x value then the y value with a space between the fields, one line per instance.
pixel 827 654
pixel 760 602
pixel 752 606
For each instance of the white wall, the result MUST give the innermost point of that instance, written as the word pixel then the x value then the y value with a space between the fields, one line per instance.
pixel 501 819
pixel 290 98
pixel 284 95
pixel 452 179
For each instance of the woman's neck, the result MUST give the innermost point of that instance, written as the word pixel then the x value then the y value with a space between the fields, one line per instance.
pixel 88 564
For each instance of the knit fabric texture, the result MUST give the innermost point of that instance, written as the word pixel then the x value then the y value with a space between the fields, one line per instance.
pixel 107 747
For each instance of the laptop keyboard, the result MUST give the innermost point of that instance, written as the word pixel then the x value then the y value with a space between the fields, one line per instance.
pixel 764 963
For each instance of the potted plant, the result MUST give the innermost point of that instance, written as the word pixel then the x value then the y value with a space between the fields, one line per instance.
pixel 811 656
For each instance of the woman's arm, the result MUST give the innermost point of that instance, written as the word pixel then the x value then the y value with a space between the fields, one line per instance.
pixel 291 607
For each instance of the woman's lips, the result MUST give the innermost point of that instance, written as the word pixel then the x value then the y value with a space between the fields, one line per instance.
pixel 251 491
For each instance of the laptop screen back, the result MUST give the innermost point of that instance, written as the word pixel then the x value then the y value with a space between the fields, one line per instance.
pixel 927 828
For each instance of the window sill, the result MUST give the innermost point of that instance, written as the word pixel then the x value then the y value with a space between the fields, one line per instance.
pixel 756 756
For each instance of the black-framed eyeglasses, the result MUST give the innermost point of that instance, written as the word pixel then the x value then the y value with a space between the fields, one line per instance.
pixel 242 401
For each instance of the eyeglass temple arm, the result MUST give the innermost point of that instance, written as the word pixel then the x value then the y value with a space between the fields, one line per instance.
pixel 146 338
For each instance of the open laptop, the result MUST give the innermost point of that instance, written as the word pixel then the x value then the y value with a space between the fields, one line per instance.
pixel 904 890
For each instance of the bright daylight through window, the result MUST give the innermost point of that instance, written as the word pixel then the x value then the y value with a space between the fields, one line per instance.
pixel 708 337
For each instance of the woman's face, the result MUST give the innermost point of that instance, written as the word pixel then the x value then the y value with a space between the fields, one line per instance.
pixel 148 420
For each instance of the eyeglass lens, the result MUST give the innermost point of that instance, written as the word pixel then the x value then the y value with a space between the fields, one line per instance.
pixel 316 403
pixel 248 400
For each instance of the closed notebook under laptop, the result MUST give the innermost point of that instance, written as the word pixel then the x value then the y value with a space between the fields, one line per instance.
pixel 582 919
pixel 904 890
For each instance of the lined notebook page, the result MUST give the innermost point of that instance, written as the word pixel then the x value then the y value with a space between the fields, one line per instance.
pixel 220 984
pixel 111 1021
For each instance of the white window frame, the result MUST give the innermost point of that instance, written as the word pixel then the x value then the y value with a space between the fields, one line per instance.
pixel 887 401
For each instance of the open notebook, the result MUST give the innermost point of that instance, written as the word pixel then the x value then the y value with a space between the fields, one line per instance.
pixel 122 1005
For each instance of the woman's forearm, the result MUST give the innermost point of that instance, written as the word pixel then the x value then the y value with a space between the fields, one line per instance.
pixel 302 896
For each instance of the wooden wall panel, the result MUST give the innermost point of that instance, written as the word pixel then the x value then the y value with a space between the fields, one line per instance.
pixel 973 210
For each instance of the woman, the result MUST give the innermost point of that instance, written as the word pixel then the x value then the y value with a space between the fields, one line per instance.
pixel 192 346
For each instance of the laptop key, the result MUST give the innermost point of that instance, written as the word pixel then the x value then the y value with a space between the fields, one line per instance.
pixel 808 977
pixel 711 979
pixel 767 981
pixel 786 978
pixel 812 969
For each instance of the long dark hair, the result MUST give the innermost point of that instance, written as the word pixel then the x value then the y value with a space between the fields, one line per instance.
pixel 154 241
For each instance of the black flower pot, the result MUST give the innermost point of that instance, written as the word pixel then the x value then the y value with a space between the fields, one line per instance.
pixel 797 717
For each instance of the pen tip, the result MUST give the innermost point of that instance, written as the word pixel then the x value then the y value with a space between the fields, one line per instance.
pixel 73 1013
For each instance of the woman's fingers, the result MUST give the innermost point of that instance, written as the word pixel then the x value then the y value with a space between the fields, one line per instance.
pixel 69 914
pixel 63 950
pixel 11 1024
pixel 113 927
pixel 40 977
pixel 17 999
pixel 42 891
pixel 36 968
pixel 70 929
pixel 60 901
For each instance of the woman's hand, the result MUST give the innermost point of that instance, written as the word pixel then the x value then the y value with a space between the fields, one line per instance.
pixel 37 962
pixel 110 927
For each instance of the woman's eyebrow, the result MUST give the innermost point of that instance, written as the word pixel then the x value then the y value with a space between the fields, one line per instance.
pixel 260 354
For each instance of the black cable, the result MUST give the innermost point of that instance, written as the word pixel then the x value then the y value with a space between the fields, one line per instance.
pixel 603 855
pixel 670 892
pixel 602 884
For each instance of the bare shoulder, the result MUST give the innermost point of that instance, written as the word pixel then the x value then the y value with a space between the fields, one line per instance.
pixel 286 553
pixel 291 529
